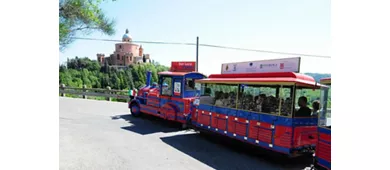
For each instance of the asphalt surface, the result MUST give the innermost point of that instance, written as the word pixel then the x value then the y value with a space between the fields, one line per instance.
pixel 103 135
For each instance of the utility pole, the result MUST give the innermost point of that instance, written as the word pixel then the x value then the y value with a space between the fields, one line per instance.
pixel 197 54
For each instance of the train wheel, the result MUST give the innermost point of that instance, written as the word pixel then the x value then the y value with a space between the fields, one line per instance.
pixel 135 110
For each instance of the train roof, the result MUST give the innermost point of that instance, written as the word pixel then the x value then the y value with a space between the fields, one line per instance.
pixel 326 81
pixel 170 73
pixel 274 78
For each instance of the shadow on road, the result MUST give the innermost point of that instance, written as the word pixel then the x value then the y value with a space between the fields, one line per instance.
pixel 224 153
pixel 146 124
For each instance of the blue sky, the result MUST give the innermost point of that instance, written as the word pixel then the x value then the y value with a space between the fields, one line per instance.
pixel 299 26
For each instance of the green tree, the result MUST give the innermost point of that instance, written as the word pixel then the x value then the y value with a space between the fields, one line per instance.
pixel 84 71
pixel 81 16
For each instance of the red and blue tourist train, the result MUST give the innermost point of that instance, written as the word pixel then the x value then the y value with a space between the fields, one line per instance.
pixel 262 103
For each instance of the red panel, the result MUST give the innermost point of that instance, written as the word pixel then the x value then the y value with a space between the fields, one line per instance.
pixel 283 136
pixel 187 106
pixel 325 137
pixel 253 129
pixel 260 131
pixel 194 115
pixel 231 124
pixel 305 135
pixel 214 120
pixel 240 129
pixel 204 118
pixel 177 99
pixel 324 151
pixel 265 135
pixel 183 66
pixel 265 132
pixel 219 121
pixel 169 112
pixel 222 124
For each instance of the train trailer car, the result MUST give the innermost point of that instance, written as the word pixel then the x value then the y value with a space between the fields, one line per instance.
pixel 171 97
pixel 323 151
pixel 257 103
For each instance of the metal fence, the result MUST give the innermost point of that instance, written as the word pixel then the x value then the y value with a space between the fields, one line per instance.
pixel 108 93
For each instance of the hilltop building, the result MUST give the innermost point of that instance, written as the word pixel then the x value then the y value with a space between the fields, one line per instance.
pixel 126 53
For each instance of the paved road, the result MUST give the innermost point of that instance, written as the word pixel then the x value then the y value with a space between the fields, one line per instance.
pixel 102 135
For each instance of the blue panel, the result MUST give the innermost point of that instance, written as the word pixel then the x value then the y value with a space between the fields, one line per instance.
pixel 281 149
pixel 267 118
pixel 254 116
pixel 285 121
pixel 324 130
pixel 232 112
pixel 312 121
pixel 324 162
pixel 220 110
pixel 242 114
pixel 194 75
pixel 191 93
pixel 205 107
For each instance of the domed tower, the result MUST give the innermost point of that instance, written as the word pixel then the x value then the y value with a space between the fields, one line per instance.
pixel 141 51
pixel 127 37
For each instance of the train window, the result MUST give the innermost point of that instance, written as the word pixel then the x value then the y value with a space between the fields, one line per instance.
pixel 166 86
pixel 204 90
pixel 190 84
pixel 286 102
pixel 222 95
pixel 325 111
pixel 257 99
pixel 265 99
pixel 311 96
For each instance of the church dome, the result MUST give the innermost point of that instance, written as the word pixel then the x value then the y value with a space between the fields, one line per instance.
pixel 127 37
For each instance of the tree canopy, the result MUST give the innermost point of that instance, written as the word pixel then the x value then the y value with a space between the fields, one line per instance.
pixel 84 71
pixel 82 16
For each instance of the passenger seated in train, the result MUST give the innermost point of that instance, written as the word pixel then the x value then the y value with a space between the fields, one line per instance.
pixel 190 85
pixel 258 102
pixel 225 99
pixel 316 108
pixel 154 85
pixel 166 90
pixel 273 104
pixel 219 98
pixel 206 97
pixel 232 99
pixel 266 108
pixel 247 102
pixel 303 111
pixel 286 107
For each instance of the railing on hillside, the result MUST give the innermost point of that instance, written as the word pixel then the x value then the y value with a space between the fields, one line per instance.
pixel 108 93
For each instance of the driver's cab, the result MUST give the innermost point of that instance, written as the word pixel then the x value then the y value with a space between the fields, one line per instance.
pixel 179 84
